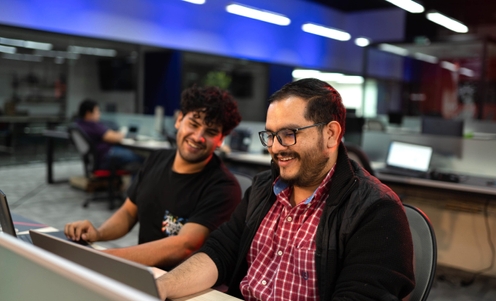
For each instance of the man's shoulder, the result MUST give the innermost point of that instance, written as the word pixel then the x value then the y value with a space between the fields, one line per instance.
pixel 160 155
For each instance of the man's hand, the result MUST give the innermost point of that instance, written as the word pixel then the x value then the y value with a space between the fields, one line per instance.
pixel 82 230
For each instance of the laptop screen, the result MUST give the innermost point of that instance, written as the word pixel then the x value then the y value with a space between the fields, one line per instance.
pixel 6 224
pixel 409 156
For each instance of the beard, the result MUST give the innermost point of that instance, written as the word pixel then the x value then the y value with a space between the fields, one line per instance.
pixel 312 165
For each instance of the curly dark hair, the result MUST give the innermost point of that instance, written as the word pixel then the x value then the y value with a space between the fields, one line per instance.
pixel 219 106
pixel 324 102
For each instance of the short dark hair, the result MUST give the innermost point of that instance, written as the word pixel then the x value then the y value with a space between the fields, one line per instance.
pixel 87 105
pixel 324 102
pixel 219 106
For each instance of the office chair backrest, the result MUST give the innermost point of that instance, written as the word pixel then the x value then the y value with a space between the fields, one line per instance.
pixel 356 153
pixel 84 147
pixel 244 181
pixel 425 252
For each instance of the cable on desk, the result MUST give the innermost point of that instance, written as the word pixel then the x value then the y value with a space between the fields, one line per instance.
pixel 491 245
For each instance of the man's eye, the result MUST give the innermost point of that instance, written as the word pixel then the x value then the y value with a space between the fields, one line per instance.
pixel 286 134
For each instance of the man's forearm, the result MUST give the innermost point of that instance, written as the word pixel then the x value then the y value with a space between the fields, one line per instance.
pixel 194 275
pixel 118 225
pixel 165 252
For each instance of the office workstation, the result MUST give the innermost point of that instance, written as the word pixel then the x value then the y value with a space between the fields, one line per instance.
pixel 131 69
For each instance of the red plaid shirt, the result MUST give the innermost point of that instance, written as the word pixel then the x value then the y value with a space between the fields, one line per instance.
pixel 281 257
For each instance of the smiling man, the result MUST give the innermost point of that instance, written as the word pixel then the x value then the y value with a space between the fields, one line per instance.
pixel 316 227
pixel 180 196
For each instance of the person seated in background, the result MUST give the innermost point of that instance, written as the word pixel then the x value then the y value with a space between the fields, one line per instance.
pixel 105 139
pixel 315 227
pixel 179 196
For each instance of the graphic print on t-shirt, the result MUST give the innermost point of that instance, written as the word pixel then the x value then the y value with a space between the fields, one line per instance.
pixel 172 224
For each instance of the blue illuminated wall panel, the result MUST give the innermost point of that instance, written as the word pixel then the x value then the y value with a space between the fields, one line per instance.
pixel 209 28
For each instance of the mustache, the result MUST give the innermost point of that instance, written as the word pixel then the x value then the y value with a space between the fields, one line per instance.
pixel 276 156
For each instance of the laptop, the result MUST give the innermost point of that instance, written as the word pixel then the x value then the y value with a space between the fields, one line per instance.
pixel 128 272
pixel 132 132
pixel 7 224
pixel 408 159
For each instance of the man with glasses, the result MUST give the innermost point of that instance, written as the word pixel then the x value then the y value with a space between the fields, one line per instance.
pixel 316 227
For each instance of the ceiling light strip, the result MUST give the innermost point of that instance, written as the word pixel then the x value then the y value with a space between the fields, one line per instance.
pixel 7 49
pixel 26 44
pixel 426 58
pixel 393 49
pixel 258 14
pixel 408 5
pixel 327 32
pixel 91 51
pixel 447 22
pixel 449 66
pixel 195 1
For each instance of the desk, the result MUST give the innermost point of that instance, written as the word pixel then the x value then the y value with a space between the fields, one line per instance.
pixel 248 163
pixel 145 145
pixel 51 135
pixel 23 224
pixel 461 215
pixel 16 126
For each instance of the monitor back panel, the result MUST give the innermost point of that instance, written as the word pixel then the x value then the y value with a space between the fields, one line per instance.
pixel 133 274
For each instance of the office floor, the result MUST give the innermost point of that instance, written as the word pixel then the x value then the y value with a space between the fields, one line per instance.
pixel 30 196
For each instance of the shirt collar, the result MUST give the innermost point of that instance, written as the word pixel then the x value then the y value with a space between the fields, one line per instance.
pixel 280 185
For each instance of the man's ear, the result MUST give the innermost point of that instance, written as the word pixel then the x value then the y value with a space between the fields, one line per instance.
pixel 333 131
pixel 221 141
pixel 179 118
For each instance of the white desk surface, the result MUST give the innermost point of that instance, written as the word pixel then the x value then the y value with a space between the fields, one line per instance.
pixel 468 183
pixel 145 144
pixel 263 159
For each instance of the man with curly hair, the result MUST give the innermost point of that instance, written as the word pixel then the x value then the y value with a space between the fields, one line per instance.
pixel 179 196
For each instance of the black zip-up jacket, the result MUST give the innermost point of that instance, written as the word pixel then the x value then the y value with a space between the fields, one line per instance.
pixel 364 246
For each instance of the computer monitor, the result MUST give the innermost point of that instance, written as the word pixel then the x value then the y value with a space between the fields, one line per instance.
pixel 395 118
pixel 354 129
pixel 30 273
pixel 440 126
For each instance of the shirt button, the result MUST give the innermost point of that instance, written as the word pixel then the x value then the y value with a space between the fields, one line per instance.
pixel 264 282
pixel 279 253
pixel 289 218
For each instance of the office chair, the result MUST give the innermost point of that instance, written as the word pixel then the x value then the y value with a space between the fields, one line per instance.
pixel 111 177
pixel 244 181
pixel 356 153
pixel 425 252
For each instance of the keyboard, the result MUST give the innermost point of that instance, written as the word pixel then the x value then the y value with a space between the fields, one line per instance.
pixel 404 173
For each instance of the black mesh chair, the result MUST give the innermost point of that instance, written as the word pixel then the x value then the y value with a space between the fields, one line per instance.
pixel 244 181
pixel 111 178
pixel 425 252
pixel 356 153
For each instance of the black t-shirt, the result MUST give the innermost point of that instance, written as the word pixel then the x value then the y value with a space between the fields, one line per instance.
pixel 207 198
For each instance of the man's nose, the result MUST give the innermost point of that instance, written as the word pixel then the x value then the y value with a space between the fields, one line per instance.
pixel 199 135
pixel 277 146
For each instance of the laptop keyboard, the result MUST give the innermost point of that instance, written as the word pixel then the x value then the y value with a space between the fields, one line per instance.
pixel 405 173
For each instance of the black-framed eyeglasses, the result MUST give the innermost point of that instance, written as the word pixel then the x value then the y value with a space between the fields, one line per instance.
pixel 286 137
